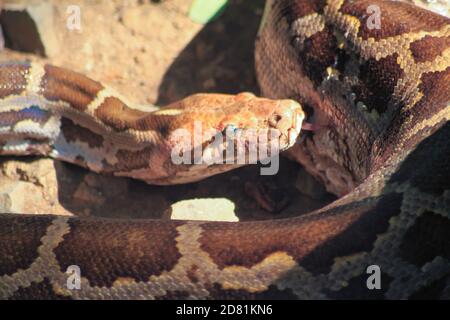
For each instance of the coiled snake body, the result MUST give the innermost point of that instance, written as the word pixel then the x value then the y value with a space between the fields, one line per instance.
pixel 379 100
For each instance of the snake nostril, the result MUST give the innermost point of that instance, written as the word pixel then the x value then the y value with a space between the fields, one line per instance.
pixel 274 119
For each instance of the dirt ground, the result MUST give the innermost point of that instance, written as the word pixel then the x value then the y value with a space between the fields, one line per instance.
pixel 151 52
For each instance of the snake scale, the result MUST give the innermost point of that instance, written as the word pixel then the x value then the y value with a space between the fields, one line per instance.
pixel 379 101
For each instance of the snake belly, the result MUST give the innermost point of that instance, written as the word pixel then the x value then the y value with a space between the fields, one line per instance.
pixel 380 98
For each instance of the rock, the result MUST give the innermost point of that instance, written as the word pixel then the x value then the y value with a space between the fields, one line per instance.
pixel 218 209
pixel 30 187
pixel 5 200
pixel 29 27
pixel 39 173
pixel 12 199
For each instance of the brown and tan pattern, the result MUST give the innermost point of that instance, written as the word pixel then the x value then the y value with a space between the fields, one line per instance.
pixel 69 86
pixel 379 100
pixel 13 79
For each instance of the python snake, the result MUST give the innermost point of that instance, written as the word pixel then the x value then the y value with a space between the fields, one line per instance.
pixel 379 101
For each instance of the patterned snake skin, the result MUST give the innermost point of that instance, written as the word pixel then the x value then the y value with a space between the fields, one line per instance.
pixel 379 100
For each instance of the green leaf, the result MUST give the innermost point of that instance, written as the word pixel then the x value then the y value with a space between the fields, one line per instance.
pixel 204 11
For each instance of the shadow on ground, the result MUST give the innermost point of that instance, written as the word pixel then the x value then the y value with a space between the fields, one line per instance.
pixel 219 58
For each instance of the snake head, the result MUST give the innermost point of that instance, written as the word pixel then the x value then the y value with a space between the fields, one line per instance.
pixel 206 134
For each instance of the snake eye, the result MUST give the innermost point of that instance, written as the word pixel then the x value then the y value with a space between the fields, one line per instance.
pixel 232 131
pixel 231 128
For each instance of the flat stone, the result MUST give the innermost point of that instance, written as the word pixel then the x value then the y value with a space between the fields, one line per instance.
pixel 12 197
pixel 217 209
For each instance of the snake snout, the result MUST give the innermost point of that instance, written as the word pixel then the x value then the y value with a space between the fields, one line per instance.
pixel 287 119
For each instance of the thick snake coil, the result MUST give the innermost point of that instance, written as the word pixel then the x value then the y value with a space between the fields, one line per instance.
pixel 379 100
